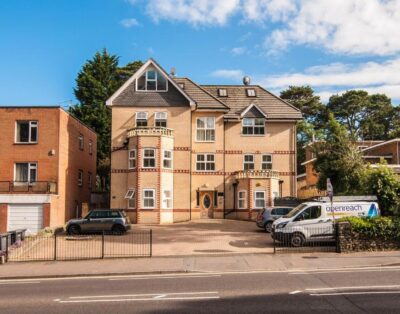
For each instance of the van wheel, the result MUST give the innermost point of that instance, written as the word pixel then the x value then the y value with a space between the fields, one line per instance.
pixel 297 240
pixel 268 227
pixel 74 230
pixel 118 230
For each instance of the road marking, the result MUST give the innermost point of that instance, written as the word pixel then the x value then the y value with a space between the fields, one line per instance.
pixel 353 288
pixel 353 293
pixel 295 292
pixel 18 282
pixel 202 295
pixel 164 277
pixel 343 271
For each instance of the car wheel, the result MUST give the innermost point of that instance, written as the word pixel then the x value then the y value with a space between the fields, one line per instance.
pixel 74 230
pixel 268 227
pixel 118 229
pixel 297 240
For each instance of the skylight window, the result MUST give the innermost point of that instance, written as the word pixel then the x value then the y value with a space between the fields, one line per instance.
pixel 251 92
pixel 152 80
pixel 222 92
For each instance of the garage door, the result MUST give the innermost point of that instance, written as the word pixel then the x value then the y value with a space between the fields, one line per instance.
pixel 25 216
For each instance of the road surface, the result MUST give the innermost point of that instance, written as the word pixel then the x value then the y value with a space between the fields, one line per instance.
pixel 357 291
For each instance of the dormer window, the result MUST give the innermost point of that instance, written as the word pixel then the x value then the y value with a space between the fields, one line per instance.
pixel 222 92
pixel 152 80
pixel 161 119
pixel 251 92
pixel 141 119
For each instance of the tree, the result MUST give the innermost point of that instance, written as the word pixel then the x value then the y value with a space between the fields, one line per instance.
pixel 303 98
pixel 339 159
pixel 98 79
pixel 350 110
pixel 384 183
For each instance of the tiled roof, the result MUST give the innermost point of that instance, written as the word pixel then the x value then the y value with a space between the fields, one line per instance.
pixel 203 99
pixel 237 100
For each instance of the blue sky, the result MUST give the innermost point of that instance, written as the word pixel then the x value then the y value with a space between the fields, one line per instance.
pixel 330 45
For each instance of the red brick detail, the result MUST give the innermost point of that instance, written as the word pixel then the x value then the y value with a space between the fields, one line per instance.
pixel 289 173
pixel 46 215
pixel 205 173
pixel 181 171
pixel 232 152
pixel 184 148
pixel 3 217
pixel 181 210
pixel 121 170
pixel 284 152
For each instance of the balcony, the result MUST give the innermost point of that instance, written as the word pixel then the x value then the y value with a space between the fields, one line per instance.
pixel 38 187
pixel 150 131
pixel 257 174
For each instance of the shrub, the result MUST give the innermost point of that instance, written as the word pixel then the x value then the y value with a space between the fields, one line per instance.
pixel 386 228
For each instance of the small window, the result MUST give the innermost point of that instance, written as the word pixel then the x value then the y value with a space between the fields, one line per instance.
pixel 25 172
pixel 205 162
pixel 242 199
pixel 27 132
pixel 131 197
pixel 89 180
pixel 266 163
pixel 149 200
pixel 149 158
pixel 167 199
pixel 259 199
pixel 152 80
pixel 253 126
pixel 167 159
pixel 141 119
pixel 248 162
pixel 81 142
pixel 90 147
pixel 160 119
pixel 80 177
pixel 222 92
pixel 251 92
pixel 205 129
pixel 132 159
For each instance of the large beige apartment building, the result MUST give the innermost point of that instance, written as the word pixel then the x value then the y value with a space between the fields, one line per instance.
pixel 184 151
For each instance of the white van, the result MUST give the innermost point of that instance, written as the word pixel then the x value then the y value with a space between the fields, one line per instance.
pixel 313 221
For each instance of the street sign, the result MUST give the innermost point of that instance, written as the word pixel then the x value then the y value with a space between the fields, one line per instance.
pixel 329 188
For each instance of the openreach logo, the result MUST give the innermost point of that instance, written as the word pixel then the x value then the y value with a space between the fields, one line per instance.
pixel 344 208
pixel 373 211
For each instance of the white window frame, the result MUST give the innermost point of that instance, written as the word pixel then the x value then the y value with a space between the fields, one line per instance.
pixel 266 162
pixel 206 161
pixel 32 124
pixel 205 129
pixel 81 141
pixel 164 117
pixel 170 159
pixel 80 177
pixel 31 165
pixel 151 198
pixel 90 147
pixel 152 80
pixel 253 126
pixel 131 159
pixel 138 118
pixel 244 199
pixel 222 92
pixel 251 92
pixel 247 162
pixel 165 199
pixel 131 196
pixel 144 157
pixel 257 198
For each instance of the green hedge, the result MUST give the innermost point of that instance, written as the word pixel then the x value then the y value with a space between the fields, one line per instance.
pixel 387 228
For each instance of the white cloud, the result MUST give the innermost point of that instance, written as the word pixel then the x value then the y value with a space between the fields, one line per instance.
pixel 237 51
pixel 128 23
pixel 233 75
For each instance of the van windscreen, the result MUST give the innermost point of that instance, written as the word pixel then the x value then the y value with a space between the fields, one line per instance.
pixel 295 211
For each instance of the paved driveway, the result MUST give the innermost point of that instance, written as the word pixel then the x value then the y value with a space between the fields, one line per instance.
pixel 214 236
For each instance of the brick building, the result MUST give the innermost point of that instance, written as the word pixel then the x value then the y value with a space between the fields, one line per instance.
pixel 47 167
pixel 184 151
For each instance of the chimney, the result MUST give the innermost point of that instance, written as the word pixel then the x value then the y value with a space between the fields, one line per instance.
pixel 172 73
pixel 246 80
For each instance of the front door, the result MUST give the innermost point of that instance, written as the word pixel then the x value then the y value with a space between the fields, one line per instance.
pixel 206 205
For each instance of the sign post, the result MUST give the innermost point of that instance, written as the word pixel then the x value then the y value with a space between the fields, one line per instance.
pixel 329 190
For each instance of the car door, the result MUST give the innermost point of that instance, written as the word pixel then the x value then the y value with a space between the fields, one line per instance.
pixel 96 220
pixel 315 227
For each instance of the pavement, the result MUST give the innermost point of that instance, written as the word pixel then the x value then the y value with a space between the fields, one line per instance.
pixel 195 264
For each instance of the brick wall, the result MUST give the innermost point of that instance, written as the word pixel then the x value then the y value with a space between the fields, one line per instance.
pixel 3 217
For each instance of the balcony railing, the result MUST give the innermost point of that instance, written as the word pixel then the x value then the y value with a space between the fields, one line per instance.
pixel 37 187
pixel 150 131
pixel 257 174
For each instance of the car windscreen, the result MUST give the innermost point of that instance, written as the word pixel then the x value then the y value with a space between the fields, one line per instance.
pixel 295 211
